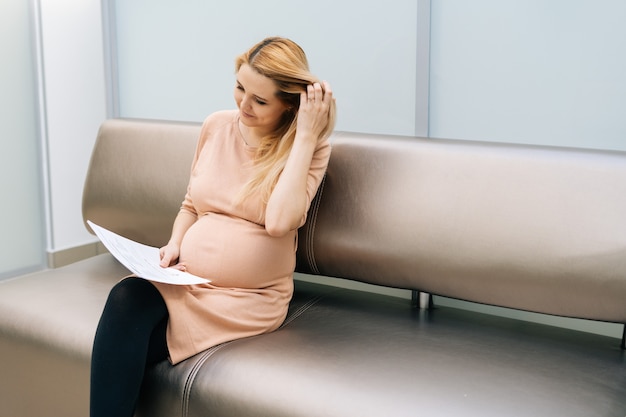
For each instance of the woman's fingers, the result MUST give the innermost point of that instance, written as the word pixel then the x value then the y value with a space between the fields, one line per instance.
pixel 316 96
pixel 328 93
pixel 318 92
pixel 315 103
pixel 180 266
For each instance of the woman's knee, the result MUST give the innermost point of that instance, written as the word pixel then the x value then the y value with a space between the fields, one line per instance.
pixel 134 295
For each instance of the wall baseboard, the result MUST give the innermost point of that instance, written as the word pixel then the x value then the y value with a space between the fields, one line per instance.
pixel 68 256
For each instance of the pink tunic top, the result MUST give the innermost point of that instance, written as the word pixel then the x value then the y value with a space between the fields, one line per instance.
pixel 251 272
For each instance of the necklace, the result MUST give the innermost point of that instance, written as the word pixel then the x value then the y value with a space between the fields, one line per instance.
pixel 243 136
pixel 243 129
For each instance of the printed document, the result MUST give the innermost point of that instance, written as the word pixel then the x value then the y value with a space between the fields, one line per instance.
pixel 142 260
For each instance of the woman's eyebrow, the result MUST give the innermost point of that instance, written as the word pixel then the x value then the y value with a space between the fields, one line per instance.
pixel 257 96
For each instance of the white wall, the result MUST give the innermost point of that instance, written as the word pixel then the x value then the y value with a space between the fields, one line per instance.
pixel 524 71
pixel 529 71
pixel 176 59
pixel 21 214
pixel 75 106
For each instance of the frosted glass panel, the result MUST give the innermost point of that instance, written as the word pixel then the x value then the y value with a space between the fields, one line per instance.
pixel 529 71
pixel 175 59
pixel 21 212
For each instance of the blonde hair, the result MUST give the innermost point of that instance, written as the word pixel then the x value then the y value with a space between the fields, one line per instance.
pixel 285 63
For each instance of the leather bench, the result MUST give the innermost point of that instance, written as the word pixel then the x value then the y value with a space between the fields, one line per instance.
pixel 531 228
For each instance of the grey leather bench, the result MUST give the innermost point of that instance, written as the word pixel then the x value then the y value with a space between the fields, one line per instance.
pixel 531 228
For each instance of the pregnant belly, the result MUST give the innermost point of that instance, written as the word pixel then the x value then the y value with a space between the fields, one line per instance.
pixel 232 252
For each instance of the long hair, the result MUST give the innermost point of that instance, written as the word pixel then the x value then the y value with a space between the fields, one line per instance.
pixel 285 63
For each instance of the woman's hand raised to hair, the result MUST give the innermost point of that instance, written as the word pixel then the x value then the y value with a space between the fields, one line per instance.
pixel 314 109
pixel 287 203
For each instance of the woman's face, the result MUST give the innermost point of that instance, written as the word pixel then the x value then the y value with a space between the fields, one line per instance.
pixel 255 95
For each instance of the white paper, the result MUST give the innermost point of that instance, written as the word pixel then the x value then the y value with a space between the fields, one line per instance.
pixel 142 260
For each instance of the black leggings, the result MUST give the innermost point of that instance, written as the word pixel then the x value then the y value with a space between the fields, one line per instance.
pixel 130 336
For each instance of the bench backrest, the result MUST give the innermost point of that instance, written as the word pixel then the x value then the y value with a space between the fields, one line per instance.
pixel 138 176
pixel 533 228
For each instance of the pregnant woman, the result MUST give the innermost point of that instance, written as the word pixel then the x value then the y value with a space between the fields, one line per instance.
pixel 253 176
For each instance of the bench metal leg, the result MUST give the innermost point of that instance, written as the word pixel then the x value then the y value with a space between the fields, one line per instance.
pixel 421 300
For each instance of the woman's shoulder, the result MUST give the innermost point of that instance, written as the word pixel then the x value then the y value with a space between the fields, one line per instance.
pixel 221 118
pixel 218 124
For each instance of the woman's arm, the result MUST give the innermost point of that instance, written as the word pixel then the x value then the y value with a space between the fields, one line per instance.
pixel 288 200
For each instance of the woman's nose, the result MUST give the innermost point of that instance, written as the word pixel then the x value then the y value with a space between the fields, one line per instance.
pixel 245 101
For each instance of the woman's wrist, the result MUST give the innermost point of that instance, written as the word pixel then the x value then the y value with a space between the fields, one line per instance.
pixel 305 139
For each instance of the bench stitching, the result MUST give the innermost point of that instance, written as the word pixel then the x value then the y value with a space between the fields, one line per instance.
pixel 192 376
pixel 311 228
pixel 301 310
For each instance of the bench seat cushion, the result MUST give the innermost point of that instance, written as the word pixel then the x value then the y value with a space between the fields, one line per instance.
pixel 340 353
pixel 350 353
pixel 47 323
